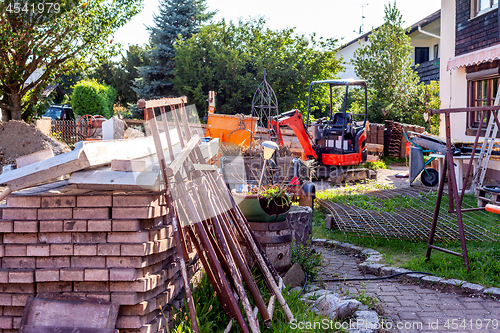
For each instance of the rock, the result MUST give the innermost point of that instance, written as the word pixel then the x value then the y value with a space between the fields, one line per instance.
pixel 328 221
pixel 367 321
pixel 333 306
pixel 314 295
pixel 472 288
pixel 132 133
pixel 492 292
pixel 295 290
pixel 295 276
pixel 300 219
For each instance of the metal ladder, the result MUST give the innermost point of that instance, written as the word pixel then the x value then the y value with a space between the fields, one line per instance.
pixel 486 149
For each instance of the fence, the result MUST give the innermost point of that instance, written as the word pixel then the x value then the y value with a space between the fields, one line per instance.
pixel 66 131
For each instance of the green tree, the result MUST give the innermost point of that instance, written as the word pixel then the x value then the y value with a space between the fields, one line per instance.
pixel 385 63
pixel 122 75
pixel 230 58
pixel 50 39
pixel 178 19
pixel 92 97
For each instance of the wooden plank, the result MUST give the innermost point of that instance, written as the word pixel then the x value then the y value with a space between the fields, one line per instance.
pixel 85 155
pixel 375 148
pixel 128 165
pixel 371 158
pixel 156 103
pixel 34 157
pixel 69 312
pixel 176 165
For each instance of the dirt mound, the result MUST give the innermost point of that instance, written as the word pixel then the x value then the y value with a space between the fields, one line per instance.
pixel 18 139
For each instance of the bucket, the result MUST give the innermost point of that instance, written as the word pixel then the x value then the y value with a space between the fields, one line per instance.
pixel 276 240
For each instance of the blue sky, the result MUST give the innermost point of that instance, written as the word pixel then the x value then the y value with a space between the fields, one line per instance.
pixel 327 18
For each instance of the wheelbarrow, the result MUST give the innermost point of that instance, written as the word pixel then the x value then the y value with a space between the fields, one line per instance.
pixel 418 165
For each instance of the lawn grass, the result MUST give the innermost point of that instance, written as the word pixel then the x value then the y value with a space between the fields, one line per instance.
pixel 484 256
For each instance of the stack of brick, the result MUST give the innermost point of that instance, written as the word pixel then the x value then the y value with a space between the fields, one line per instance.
pixel 115 246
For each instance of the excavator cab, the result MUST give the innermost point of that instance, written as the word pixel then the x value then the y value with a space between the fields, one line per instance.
pixel 339 140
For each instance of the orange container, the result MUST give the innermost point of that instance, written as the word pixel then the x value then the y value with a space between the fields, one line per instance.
pixel 236 129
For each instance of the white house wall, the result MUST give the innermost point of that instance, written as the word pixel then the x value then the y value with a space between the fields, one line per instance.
pixel 348 53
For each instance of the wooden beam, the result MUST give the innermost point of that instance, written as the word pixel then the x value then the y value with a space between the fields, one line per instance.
pixel 156 103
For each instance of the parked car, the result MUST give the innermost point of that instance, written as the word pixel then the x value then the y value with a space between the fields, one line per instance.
pixel 59 112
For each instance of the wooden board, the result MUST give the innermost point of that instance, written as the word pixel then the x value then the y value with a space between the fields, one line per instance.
pixel 156 103
pixel 375 148
pixel 371 158
pixel 34 157
pixel 85 155
pixel 69 312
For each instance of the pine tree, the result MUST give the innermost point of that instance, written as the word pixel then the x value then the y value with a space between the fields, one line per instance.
pixel 177 19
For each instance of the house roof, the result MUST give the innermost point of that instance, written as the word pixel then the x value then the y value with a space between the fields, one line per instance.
pixel 414 27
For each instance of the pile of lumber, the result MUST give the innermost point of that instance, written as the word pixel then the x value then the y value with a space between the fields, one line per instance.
pixel 59 240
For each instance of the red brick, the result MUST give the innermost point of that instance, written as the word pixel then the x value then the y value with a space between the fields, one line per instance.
pixel 91 213
pixel 25 226
pixel 20 238
pixel 71 274
pixel 51 226
pixel 123 274
pixel 88 262
pixel 21 276
pixel 126 225
pixel 38 250
pixel 20 299
pixel 128 237
pixel 96 274
pixel 13 311
pixel 75 225
pixel 61 249
pixel 160 233
pixel 52 262
pixel 55 213
pixel 47 275
pixel 91 286
pixel 55 237
pixel 4 276
pixel 23 201
pixel 15 250
pixel 106 297
pixel 136 249
pixel 135 200
pixel 137 212
pixel 108 249
pixel 16 322
pixel 5 299
pixel 85 249
pixel 54 287
pixel 89 237
pixel 18 262
pixel 2 250
pixel 6 226
pixel 19 214
pixel 5 322
pixel 94 201
pixel 18 288
pixel 58 201
pixel 99 225
pixel 125 262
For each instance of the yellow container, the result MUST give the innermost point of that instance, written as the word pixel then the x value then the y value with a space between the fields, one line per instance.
pixel 236 129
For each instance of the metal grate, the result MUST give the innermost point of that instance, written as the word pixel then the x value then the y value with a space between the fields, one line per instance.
pixel 66 131
pixel 406 223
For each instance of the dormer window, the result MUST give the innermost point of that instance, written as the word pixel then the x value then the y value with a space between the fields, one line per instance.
pixel 480 7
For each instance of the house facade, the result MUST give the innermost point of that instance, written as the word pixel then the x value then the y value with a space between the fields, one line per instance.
pixel 470 66
pixel 425 40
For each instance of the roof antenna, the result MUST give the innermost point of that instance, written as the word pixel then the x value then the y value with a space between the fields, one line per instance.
pixel 362 18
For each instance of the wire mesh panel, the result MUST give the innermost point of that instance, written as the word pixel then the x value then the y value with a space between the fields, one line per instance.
pixel 66 131
pixel 264 107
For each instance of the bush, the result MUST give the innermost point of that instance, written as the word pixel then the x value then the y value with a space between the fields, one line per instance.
pixel 91 97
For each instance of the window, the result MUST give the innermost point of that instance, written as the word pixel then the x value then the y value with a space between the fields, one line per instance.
pixel 480 7
pixel 481 93
pixel 421 55
pixel 436 51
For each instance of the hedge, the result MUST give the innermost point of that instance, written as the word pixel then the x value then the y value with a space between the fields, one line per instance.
pixel 91 97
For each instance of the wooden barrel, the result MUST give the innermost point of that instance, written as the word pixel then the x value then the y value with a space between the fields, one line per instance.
pixel 276 240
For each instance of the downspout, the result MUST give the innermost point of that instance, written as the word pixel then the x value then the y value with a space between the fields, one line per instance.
pixel 427 33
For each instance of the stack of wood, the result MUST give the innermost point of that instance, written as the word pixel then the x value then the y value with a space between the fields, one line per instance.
pixel 117 246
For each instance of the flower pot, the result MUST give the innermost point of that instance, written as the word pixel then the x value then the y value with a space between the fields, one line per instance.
pixel 256 209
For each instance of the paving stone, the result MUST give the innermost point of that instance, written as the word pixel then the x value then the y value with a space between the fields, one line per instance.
pixel 387 270
pixel 495 292
pixel 371 268
pixel 472 288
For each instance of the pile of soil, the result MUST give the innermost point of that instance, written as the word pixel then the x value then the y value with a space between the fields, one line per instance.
pixel 18 139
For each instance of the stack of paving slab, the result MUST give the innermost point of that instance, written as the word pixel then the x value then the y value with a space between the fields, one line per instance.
pixel 59 240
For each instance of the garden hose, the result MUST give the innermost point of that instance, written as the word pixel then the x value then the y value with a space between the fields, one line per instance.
pixel 370 279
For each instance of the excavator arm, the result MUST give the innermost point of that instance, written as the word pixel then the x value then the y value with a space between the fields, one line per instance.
pixel 293 119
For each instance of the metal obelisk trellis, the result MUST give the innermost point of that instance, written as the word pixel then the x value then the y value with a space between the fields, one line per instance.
pixel 264 107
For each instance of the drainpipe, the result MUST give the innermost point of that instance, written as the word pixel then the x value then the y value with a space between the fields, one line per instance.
pixel 428 33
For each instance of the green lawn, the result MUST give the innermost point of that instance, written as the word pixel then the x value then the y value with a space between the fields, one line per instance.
pixel 484 256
